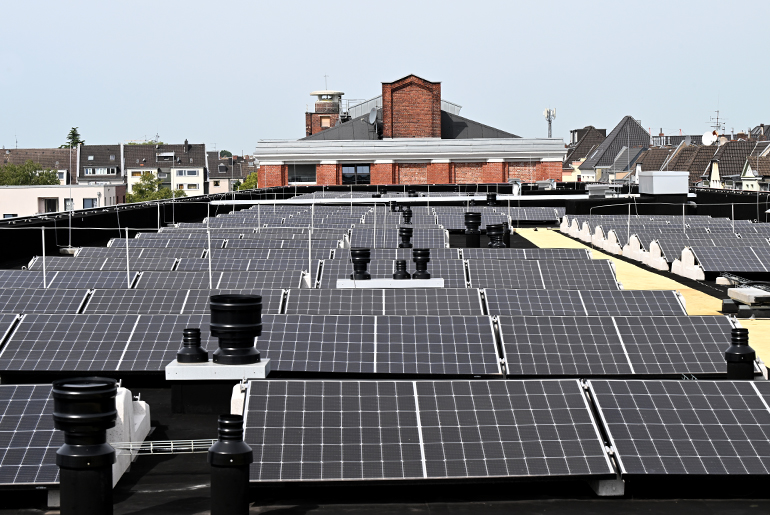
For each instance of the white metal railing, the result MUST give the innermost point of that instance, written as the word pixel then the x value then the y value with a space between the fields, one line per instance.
pixel 165 446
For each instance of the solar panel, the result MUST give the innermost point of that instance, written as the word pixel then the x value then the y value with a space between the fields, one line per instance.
pixel 508 429
pixel 347 430
pixel 388 238
pixel 334 302
pixel 676 344
pixel 218 264
pixel 432 301
pixel 319 343
pixel 686 427
pixel 176 280
pixel 436 345
pixel 46 342
pixel 24 278
pixel 82 279
pixel 140 263
pixel 198 300
pixel 332 430
pixel 67 263
pixel 534 302
pixel 120 253
pixel 542 345
pixel 28 440
pixel 136 301
pixel 157 338
pixel 632 302
pixel 39 300
pixel 276 254
pixel 281 244
pixel 509 275
pixel 729 259
pixel 278 279
pixel 379 253
pixel 578 275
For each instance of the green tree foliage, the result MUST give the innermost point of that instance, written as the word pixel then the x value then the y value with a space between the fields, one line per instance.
pixel 250 182
pixel 30 173
pixel 236 185
pixel 73 139
pixel 225 153
pixel 149 188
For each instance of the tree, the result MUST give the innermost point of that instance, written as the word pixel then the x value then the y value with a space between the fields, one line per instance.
pixel 250 182
pixel 30 173
pixel 236 185
pixel 149 188
pixel 225 153
pixel 73 139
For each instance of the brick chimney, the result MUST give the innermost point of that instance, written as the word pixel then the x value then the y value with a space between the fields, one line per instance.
pixel 326 113
pixel 411 108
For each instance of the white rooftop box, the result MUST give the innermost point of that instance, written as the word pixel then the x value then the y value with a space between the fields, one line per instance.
pixel 664 183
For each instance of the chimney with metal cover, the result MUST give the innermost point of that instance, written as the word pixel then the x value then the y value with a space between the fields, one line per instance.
pixel 191 351
pixel 236 320
pixel 472 232
pixel 401 272
pixel 360 258
pixel 421 257
pixel 491 199
pixel 739 355
pixel 230 458
pixel 405 233
pixel 84 408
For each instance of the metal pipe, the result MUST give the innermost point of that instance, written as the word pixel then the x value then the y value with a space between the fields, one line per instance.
pixel 128 266
pixel 208 235
pixel 42 232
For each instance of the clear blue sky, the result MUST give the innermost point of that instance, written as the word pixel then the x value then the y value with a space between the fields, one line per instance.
pixel 231 73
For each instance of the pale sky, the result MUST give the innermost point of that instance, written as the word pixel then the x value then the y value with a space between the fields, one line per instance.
pixel 230 73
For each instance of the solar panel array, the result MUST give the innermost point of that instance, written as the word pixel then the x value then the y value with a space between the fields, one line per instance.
pixel 356 430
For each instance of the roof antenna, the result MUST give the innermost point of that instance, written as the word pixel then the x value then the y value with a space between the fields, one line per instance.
pixel 326 84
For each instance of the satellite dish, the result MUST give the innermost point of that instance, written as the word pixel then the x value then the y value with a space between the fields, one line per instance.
pixel 373 116
pixel 708 138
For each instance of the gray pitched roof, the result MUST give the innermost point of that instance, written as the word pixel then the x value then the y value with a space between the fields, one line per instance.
pixel 626 159
pixel 145 155
pixel 453 126
pixel 592 137
pixel 627 133
pixel 100 155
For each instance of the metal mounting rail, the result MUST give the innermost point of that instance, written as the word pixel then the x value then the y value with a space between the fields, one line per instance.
pixel 740 281
pixel 165 446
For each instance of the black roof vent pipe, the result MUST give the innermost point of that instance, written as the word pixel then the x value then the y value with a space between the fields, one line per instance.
pixel 491 199
pixel 360 258
pixel 401 272
pixel 421 257
pixel 472 233
pixel 191 351
pixel 495 233
pixel 405 233
pixel 230 458
pixel 236 320
pixel 740 356
pixel 84 408
pixel 407 215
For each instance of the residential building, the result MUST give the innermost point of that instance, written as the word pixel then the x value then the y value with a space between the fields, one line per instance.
pixel 63 161
pixel 326 113
pixel 224 172
pixel 34 200
pixel 101 164
pixel 179 167
pixel 582 143
pixel 725 168
pixel 407 135
pixel 628 133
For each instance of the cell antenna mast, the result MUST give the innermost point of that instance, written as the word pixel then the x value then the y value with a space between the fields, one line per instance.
pixel 550 115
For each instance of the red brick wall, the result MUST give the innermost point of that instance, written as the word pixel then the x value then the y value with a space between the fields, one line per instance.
pixel 327 174
pixel 313 122
pixel 272 175
pixel 469 173
pixel 413 173
pixel 439 173
pixel 494 172
pixel 535 171
pixel 411 108
pixel 382 173
pixel 548 170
